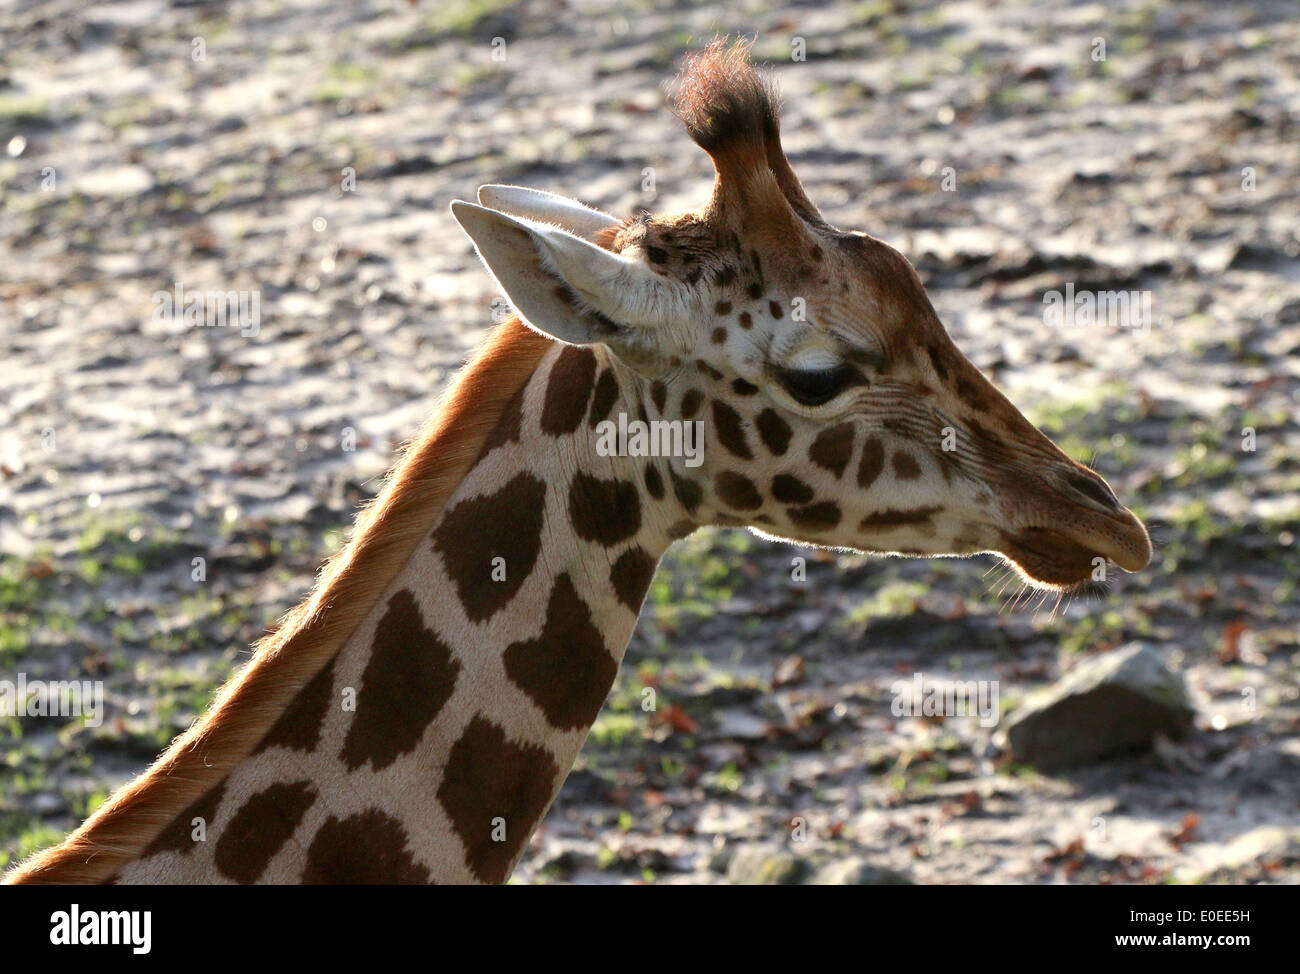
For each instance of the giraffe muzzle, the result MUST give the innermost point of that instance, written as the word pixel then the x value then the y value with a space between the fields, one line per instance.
pixel 1077 546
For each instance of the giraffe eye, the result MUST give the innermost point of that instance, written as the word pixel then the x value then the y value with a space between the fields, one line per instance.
pixel 815 387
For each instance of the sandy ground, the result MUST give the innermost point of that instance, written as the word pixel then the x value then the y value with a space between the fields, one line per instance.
pixel 130 446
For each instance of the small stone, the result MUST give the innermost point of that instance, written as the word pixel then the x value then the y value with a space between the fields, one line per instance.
pixel 1112 705
pixel 1268 843
pixel 789 671
pixel 858 872
pixel 760 865
pixel 741 725
pixel 721 860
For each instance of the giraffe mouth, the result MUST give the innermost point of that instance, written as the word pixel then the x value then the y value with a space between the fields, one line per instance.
pixel 1054 558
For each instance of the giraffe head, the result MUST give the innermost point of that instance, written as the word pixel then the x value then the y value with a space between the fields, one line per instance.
pixel 837 409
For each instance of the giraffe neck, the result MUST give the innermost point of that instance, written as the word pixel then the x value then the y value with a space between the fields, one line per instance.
pixel 431 745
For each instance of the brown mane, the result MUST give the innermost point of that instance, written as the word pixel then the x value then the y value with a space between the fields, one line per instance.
pixel 383 538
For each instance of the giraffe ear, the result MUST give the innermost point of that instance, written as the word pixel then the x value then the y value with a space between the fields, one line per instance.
pixel 542 207
pixel 567 287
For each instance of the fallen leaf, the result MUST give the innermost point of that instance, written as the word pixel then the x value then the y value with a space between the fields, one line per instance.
pixel 1186 830
pixel 678 719
pixel 789 671
pixel 1231 652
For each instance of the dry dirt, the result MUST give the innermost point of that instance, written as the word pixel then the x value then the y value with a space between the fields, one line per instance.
pixel 129 447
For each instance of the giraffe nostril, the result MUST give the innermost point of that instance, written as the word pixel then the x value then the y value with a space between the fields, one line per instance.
pixel 1093 488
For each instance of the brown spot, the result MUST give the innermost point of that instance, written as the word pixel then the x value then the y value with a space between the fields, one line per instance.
pixel 816 252
pixel 722 308
pixel 743 388
pixel 688 492
pixel 872 462
pixel 821 516
pixel 775 309
pixel 260 829
pixel 738 491
pixel 630 575
pixel 719 336
pixel 298 728
pixel 905 466
pixel 774 431
pixel 731 433
pixel 833 448
pixel 890 517
pixel 408 679
pixel 755 290
pixel 708 370
pixel 566 671
pixel 936 360
pixel 680 529
pixel 971 394
pixel 724 275
pixel 746 320
pixel 178 835
pixel 567 389
pixel 980 432
pixel 657 255
pixel 368 848
pixel 789 489
pixel 605 397
pixel 506 429
pixel 658 395
pixel 489 778
pixel 604 511
pixel 507 524
pixel 691 403
pixel 654 482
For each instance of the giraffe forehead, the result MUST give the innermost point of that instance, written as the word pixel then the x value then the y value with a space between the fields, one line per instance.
pixel 764 297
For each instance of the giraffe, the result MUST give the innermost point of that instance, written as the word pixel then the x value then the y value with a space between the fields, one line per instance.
pixel 414 718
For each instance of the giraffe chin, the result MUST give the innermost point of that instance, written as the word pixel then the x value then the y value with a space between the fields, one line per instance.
pixel 1049 559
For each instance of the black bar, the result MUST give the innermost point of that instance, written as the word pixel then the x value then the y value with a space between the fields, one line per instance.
pixel 226 923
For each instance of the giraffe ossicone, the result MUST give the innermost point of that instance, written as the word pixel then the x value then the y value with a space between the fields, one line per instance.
pixel 415 718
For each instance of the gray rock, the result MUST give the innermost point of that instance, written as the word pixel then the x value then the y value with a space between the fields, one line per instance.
pixel 1112 705
pixel 721 860
pixel 742 725
pixel 764 865
pixel 759 865
pixel 1267 843
pixel 858 872
pixel 1269 847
